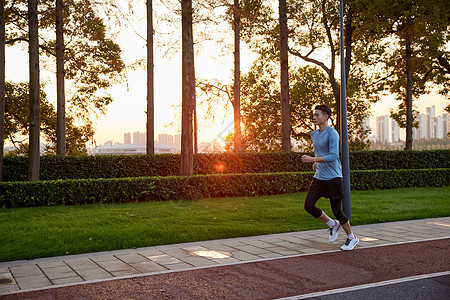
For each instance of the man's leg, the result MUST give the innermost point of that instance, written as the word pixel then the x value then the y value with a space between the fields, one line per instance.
pixel 336 205
pixel 310 204
pixel 316 190
pixel 347 228
pixel 337 194
pixel 324 217
pixel 334 226
pixel 352 240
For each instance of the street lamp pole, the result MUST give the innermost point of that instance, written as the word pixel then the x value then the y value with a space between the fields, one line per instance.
pixel 344 130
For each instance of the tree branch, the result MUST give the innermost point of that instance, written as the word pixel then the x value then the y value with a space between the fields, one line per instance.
pixel 46 49
pixel 444 63
pixel 308 59
pixel 330 39
pixel 381 79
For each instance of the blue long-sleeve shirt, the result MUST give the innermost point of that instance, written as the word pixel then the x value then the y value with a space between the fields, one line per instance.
pixel 326 145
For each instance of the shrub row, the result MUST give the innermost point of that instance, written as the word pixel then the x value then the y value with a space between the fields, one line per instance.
pixel 122 166
pixel 119 190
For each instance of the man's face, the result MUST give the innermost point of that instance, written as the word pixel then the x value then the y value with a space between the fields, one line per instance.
pixel 320 117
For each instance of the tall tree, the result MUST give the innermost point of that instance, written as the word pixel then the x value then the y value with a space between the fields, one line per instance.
pixel 314 38
pixel 150 82
pixel 188 86
pixel 284 79
pixel 60 94
pixel 2 84
pixel 195 122
pixel 208 19
pixel 409 95
pixel 422 31
pixel 237 77
pixel 34 148
pixel 325 22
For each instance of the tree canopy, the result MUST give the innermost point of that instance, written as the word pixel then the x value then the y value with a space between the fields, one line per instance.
pixel 374 59
pixel 313 36
pixel 375 36
pixel 17 122
pixel 262 115
pixel 93 63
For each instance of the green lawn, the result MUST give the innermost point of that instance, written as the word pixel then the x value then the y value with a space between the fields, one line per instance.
pixel 27 233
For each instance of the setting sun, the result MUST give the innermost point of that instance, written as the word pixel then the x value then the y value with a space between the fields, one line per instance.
pixel 219 166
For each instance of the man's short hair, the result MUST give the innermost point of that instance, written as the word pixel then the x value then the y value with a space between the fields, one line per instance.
pixel 324 108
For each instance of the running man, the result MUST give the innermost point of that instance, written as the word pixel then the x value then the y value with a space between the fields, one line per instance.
pixel 327 181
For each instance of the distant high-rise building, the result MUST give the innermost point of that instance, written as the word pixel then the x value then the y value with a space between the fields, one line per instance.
pixel 127 138
pixel 438 128
pixel 383 129
pixel 445 124
pixel 366 122
pixel 431 114
pixel 431 111
pixel 395 130
pixel 166 139
pixel 423 131
pixel 415 133
pixel 136 137
pixel 177 140
pixel 139 138
pixel 366 125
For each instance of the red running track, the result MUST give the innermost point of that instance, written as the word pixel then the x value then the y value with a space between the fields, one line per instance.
pixel 269 279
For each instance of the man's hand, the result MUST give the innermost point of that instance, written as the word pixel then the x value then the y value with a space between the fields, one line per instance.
pixel 314 166
pixel 307 158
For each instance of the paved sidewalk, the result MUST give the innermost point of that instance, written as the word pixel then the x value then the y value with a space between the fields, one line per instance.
pixel 18 276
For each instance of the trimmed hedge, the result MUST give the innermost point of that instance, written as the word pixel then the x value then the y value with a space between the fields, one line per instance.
pixel 86 191
pixel 389 179
pixel 83 167
pixel 385 160
pixel 123 166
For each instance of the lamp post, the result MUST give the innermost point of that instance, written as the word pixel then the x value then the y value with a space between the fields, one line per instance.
pixel 344 133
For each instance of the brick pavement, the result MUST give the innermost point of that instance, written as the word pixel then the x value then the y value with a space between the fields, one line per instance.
pixel 20 276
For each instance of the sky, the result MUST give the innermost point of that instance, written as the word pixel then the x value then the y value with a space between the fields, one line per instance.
pixel 130 105
pixel 127 112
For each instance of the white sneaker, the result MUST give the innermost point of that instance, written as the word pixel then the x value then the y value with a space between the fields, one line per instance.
pixel 334 231
pixel 350 244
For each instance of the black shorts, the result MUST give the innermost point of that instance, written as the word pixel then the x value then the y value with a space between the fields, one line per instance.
pixel 332 189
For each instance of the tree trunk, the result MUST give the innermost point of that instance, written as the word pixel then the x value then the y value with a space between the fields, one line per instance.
pixel 60 96
pixel 237 78
pixel 188 82
pixel 2 84
pixel 408 99
pixel 150 82
pixel 195 125
pixel 285 111
pixel 337 97
pixel 348 40
pixel 194 115
pixel 34 147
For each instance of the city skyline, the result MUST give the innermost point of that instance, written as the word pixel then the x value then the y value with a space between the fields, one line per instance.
pixel 396 135
pixel 430 126
pixel 135 143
